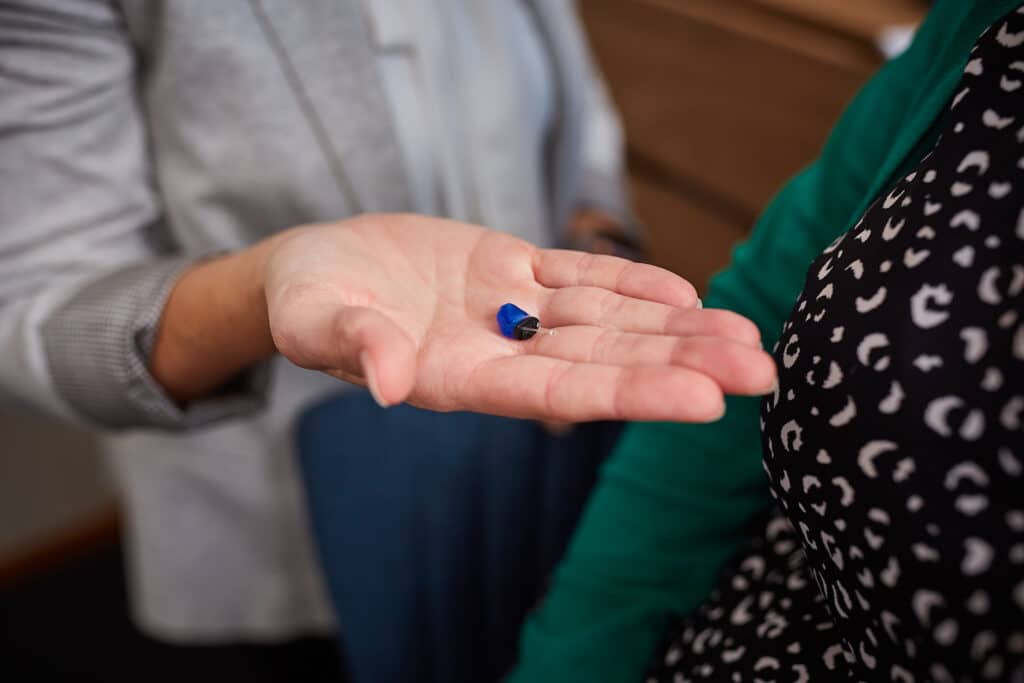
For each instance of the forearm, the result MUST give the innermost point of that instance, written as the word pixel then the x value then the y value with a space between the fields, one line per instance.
pixel 214 324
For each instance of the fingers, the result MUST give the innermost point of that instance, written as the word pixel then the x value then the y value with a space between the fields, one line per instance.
pixel 353 343
pixel 603 308
pixel 384 354
pixel 554 389
pixel 557 268
pixel 736 367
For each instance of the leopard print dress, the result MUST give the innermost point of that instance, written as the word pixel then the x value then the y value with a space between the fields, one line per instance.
pixel 894 444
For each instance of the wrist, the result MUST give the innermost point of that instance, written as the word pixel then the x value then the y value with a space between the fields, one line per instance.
pixel 596 231
pixel 244 300
pixel 214 324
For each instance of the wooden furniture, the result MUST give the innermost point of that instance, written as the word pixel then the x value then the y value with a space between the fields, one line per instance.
pixel 723 100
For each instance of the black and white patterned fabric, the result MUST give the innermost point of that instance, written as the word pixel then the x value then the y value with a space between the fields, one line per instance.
pixel 894 444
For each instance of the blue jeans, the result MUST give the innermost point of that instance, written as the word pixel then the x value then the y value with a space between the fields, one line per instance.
pixel 438 532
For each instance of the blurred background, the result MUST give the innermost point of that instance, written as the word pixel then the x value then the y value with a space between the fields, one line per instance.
pixel 722 100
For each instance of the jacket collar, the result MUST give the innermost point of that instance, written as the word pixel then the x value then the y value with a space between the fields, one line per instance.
pixel 327 53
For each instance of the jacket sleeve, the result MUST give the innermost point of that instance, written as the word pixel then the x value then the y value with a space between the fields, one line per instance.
pixel 85 262
pixel 675 501
pixel 603 180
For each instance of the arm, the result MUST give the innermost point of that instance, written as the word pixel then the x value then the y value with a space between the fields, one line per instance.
pixel 602 186
pixel 675 501
pixel 103 323
pixel 214 324
pixel 85 262
pixel 603 221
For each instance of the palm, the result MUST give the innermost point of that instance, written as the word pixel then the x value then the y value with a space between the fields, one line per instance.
pixel 416 298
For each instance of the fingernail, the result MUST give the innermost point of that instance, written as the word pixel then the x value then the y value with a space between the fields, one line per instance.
pixel 700 304
pixel 371 379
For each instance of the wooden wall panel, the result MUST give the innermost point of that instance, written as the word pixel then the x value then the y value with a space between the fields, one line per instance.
pixel 723 100
pixel 687 238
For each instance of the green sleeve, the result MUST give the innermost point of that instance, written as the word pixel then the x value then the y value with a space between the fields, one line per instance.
pixel 673 503
pixel 676 500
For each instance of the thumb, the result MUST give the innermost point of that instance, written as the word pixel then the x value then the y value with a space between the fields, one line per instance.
pixel 369 342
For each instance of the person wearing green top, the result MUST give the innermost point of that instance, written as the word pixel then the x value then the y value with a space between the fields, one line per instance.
pixel 675 501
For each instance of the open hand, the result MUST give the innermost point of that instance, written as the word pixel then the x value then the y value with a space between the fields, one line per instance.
pixel 406 305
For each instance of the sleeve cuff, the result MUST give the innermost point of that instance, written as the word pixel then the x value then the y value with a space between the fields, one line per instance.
pixel 609 195
pixel 98 345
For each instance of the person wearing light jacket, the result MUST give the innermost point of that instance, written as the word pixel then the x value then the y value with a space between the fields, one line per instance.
pixel 188 188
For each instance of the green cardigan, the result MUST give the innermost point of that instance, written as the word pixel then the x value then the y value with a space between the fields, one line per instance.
pixel 675 501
